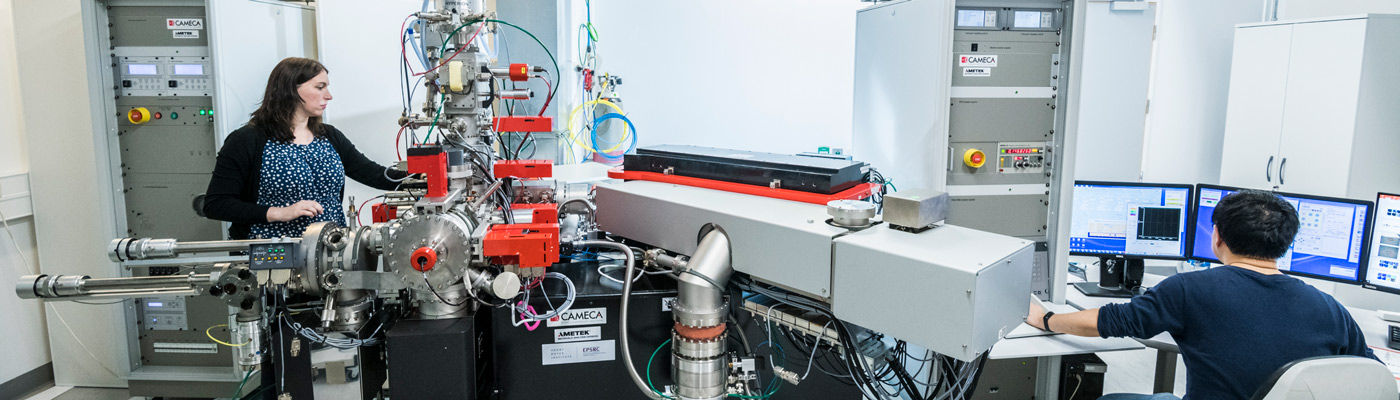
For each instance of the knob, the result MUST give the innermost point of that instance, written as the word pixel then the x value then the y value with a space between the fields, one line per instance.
pixel 423 259
pixel 850 213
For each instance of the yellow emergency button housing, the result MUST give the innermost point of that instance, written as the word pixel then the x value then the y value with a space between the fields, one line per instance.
pixel 139 115
pixel 974 158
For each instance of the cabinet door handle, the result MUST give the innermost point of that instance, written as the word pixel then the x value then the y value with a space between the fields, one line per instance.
pixel 1281 164
pixel 1269 170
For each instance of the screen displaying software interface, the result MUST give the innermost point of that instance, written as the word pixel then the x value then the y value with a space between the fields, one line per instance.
pixel 1140 221
pixel 1384 268
pixel 1329 241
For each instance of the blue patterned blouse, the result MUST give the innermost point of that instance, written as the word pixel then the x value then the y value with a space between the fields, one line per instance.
pixel 294 172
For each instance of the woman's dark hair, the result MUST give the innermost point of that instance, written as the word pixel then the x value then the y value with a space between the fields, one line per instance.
pixel 280 100
pixel 1256 224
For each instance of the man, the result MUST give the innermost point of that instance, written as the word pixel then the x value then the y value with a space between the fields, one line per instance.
pixel 1238 323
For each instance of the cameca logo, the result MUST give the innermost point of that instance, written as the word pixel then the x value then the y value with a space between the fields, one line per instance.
pixel 184 23
pixel 583 316
pixel 977 60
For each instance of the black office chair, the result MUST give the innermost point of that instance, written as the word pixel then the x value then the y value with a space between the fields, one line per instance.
pixel 1329 378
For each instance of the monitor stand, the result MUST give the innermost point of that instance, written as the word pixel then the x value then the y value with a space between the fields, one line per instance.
pixel 1118 277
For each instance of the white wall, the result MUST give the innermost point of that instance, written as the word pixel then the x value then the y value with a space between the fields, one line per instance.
pixel 358 43
pixel 26 345
pixel 1190 88
pixel 72 219
pixel 1112 70
pixel 755 75
pixel 1299 9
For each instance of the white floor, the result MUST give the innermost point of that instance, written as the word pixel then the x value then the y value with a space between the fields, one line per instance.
pixel 72 393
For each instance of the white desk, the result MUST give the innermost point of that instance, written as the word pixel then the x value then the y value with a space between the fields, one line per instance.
pixel 1046 345
pixel 1058 345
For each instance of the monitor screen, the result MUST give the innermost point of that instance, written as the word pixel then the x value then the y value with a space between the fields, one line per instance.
pixel 1383 270
pixel 1331 234
pixel 1130 219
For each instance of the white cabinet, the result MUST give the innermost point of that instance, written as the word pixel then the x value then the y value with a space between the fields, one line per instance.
pixel 1313 105
pixel 1252 125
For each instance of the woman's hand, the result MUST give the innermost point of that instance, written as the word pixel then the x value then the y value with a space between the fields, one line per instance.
pixel 304 208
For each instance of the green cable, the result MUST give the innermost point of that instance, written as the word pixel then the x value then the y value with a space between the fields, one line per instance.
pixel 240 385
pixel 443 97
pixel 546 51
pixel 441 101
pixel 649 360
pixel 443 51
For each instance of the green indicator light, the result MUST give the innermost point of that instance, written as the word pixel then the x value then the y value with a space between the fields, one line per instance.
pixel 174 115
pixel 211 112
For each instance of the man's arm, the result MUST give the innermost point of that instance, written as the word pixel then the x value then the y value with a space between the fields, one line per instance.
pixel 1079 323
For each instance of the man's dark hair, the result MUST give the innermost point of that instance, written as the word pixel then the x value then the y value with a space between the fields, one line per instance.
pixel 280 99
pixel 1256 224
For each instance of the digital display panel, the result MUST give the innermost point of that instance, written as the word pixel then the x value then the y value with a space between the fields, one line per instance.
pixel 1020 151
pixel 972 18
pixel 142 69
pixel 1027 19
pixel 189 69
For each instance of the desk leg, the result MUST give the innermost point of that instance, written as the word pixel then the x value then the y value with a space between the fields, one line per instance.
pixel 1165 379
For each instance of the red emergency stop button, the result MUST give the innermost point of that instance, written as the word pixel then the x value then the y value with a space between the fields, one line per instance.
pixel 974 158
pixel 423 259
pixel 139 115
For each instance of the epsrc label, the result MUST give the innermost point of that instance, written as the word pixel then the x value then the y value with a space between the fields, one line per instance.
pixel 977 60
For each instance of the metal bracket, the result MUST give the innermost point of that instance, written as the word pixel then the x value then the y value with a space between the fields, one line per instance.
pixel 370 280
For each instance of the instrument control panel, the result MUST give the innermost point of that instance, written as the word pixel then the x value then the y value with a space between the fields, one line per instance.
pixel 265 256
pixel 1021 157
pixel 164 313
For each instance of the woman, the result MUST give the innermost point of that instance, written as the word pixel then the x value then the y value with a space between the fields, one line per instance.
pixel 285 169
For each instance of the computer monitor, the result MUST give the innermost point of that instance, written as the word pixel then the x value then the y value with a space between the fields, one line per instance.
pixel 1136 220
pixel 1332 232
pixel 1383 268
pixel 1124 223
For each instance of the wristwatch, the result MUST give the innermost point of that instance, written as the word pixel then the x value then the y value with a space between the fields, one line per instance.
pixel 1045 321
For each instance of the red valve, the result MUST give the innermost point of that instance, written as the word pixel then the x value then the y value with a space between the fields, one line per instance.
pixel 424 259
pixel 519 72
